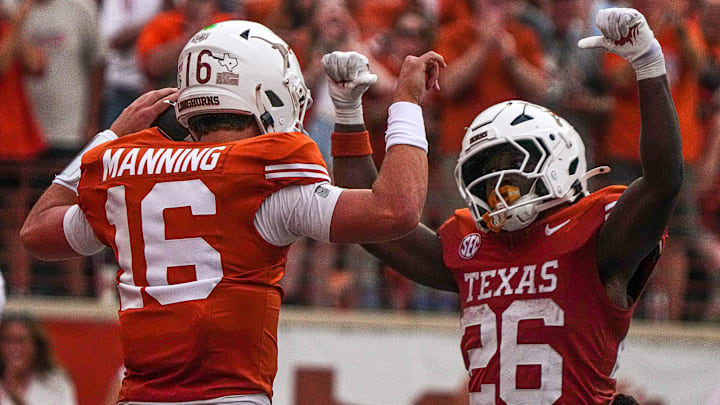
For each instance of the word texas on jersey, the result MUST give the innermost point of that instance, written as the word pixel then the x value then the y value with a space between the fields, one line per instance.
pixel 538 325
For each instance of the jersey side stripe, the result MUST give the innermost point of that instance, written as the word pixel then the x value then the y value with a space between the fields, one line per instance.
pixel 284 175
pixel 301 166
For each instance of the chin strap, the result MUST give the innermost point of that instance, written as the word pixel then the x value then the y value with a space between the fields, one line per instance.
pixel 509 195
pixel 594 172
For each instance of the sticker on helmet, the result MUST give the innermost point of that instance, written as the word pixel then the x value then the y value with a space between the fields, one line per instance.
pixel 200 37
pixel 227 61
pixel 227 78
pixel 198 102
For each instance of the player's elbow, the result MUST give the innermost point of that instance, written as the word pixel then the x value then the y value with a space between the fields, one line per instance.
pixel 671 184
pixel 29 237
pixel 400 221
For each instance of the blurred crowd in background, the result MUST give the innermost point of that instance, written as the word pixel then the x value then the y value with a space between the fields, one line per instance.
pixel 69 67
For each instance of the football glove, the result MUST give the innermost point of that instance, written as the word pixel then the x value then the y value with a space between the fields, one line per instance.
pixel 626 33
pixel 349 77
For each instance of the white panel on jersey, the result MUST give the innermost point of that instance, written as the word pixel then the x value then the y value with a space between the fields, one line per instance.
pixel 296 211
pixel 292 170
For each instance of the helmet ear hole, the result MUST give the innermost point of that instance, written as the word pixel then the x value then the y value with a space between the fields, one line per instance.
pixel 573 166
pixel 275 100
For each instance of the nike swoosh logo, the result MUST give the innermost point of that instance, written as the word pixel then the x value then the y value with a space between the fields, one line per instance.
pixel 549 231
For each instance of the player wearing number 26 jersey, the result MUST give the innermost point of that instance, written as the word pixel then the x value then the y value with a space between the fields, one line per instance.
pixel 547 273
pixel 201 229
pixel 537 324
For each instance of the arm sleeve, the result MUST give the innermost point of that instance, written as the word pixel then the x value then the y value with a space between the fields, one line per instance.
pixel 296 211
pixel 79 234
pixel 70 176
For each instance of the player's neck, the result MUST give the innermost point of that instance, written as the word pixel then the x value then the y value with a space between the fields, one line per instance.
pixel 229 135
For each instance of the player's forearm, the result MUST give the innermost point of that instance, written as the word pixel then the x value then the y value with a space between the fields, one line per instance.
pixel 354 171
pixel 660 139
pixel 42 233
pixel 357 172
pixel 401 185
pixel 417 256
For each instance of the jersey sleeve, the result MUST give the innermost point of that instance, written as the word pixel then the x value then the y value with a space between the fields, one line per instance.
pixel 296 211
pixel 294 158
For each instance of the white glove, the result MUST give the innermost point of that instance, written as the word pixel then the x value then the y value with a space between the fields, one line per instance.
pixel 626 33
pixel 350 77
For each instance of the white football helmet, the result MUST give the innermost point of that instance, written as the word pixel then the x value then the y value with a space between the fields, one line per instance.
pixel 517 139
pixel 242 67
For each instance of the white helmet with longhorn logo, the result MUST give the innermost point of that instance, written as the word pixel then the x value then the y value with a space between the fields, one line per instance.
pixel 242 67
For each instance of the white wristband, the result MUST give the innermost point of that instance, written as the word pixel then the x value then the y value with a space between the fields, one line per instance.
pixel 653 69
pixel 405 126
pixel 353 116
pixel 70 176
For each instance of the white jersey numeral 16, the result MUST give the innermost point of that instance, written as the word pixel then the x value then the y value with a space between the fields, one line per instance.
pixel 161 253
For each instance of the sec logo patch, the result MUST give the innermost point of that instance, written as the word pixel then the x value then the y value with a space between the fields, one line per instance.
pixel 469 246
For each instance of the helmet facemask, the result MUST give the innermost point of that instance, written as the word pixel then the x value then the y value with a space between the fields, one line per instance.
pixel 502 183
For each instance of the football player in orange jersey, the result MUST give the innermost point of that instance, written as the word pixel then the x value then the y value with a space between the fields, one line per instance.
pixel 201 229
pixel 547 273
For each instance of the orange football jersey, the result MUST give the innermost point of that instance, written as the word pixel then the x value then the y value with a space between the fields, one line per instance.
pixel 199 293
pixel 538 325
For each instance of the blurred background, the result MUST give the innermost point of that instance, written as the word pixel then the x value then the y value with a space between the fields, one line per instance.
pixel 69 67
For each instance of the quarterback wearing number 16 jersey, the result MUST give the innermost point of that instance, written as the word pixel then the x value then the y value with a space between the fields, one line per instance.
pixel 199 294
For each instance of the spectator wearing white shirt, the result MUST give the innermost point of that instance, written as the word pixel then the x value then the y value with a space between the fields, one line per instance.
pixel 121 22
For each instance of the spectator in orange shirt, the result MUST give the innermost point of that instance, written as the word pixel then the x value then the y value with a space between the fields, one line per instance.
pixel 164 36
pixel 373 16
pixel 709 170
pixel 491 58
pixel 413 33
pixel 684 50
pixel 22 138
pixel 710 72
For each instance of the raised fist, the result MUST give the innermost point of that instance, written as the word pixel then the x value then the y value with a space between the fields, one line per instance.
pixel 418 75
pixel 350 77
pixel 626 33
